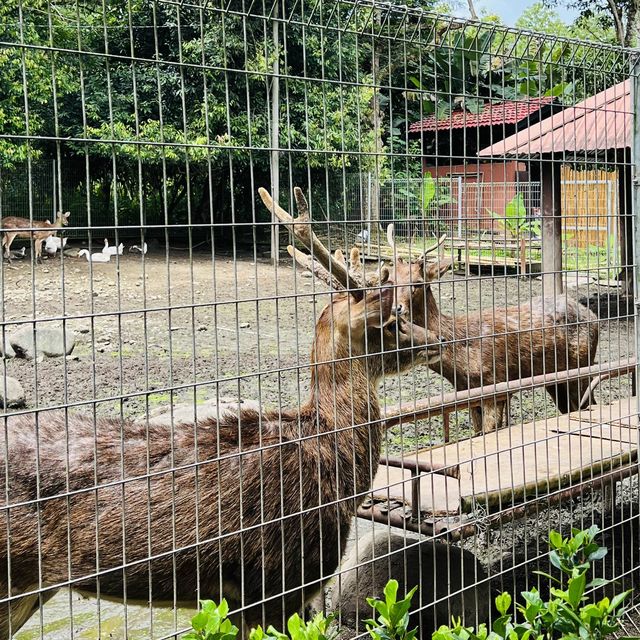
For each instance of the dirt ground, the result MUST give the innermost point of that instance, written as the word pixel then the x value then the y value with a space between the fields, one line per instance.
pixel 173 327
pixel 168 326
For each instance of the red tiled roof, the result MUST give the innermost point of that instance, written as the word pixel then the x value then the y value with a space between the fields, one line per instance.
pixel 509 112
pixel 599 123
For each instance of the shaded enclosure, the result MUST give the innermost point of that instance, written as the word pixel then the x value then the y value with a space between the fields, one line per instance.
pixel 364 322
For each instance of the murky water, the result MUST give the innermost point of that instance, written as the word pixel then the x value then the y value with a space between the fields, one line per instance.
pixel 71 615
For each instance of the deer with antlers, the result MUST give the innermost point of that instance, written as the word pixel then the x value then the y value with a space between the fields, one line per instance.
pixel 543 335
pixel 250 506
pixel 38 230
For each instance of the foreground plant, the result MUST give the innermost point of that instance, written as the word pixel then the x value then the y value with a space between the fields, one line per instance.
pixel 568 614
pixel 393 619
pixel 211 623
pixel 320 627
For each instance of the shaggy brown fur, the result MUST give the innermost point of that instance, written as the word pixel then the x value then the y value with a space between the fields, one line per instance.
pixel 246 508
pixel 542 335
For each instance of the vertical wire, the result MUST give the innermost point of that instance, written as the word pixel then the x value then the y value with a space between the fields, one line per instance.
pixel 27 129
pixel 114 169
pixel 59 207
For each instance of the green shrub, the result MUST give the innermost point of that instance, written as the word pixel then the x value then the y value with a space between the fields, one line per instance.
pixel 320 627
pixel 393 619
pixel 569 614
pixel 211 623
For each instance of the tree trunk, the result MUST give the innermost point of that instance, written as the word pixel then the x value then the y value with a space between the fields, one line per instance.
pixel 376 122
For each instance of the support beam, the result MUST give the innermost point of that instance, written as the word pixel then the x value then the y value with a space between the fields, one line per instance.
pixel 275 137
pixel 625 221
pixel 551 228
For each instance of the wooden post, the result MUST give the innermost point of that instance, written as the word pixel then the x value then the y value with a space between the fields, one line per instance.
pixel 625 221
pixel 275 137
pixel 551 228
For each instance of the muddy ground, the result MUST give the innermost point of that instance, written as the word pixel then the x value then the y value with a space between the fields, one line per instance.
pixel 166 326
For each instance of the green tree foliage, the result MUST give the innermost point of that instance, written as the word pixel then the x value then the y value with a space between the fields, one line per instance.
pixel 181 98
pixel 619 17
pixel 162 106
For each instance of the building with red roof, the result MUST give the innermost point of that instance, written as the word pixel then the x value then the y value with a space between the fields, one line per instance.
pixel 450 147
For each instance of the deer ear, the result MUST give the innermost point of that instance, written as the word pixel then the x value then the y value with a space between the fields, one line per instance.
pixel 435 270
pixel 373 311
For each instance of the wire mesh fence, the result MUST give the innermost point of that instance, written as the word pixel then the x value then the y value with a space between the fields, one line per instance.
pixel 435 374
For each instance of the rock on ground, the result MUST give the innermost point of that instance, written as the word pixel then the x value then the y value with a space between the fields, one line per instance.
pixel 7 351
pixel 446 577
pixel 50 342
pixel 15 393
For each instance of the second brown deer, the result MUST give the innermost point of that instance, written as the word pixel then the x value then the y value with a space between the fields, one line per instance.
pixel 251 506
pixel 543 335
pixel 38 230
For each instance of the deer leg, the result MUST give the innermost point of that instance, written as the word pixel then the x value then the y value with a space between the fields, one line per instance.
pixel 560 396
pixel 492 415
pixel 475 414
pixel 38 248
pixel 6 243
pixel 576 391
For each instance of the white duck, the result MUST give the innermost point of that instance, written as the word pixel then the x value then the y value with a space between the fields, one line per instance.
pixel 19 254
pixel 136 249
pixel 112 250
pixel 53 243
pixel 94 257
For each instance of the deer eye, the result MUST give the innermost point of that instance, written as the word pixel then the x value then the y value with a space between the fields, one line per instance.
pixel 417 287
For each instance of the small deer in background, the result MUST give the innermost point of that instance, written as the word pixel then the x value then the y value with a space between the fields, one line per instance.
pixel 38 230
pixel 543 335
pixel 247 507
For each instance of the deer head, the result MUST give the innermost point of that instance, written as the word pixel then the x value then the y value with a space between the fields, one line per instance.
pixel 62 219
pixel 413 280
pixel 360 318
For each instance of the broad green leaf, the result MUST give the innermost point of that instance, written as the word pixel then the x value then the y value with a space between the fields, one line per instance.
pixel 617 600
pixel 223 608
pixel 199 621
pixel 576 589
pixel 503 603
pixel 428 190
pixel 598 554
pixel 293 625
pixel 391 589
pixel 515 209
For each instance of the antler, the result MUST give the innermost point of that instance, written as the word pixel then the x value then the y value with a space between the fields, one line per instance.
pixel 392 243
pixel 436 246
pixel 390 237
pixel 301 229
pixel 307 261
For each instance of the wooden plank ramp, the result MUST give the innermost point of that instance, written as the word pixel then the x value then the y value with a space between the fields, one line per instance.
pixel 507 467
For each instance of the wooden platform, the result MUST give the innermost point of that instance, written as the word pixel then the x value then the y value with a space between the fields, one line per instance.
pixel 508 467
pixel 466 253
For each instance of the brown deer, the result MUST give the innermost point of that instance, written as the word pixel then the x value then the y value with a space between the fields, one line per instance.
pixel 255 507
pixel 543 335
pixel 38 230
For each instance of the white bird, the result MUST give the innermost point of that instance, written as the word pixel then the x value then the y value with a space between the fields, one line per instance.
pixel 136 249
pixel 94 257
pixel 112 250
pixel 19 254
pixel 53 243
pixel 363 235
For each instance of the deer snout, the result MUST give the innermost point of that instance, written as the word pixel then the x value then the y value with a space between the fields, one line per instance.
pixel 398 309
pixel 432 351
